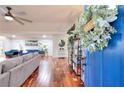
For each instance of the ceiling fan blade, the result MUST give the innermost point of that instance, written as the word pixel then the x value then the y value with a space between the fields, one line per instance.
pixel 22 13
pixel 3 10
pixel 18 21
pixel 24 19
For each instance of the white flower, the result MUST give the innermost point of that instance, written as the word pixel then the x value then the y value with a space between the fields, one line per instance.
pixel 111 19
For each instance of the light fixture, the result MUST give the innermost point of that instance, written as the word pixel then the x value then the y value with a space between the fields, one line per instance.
pixel 13 36
pixel 2 37
pixel 7 17
pixel 44 36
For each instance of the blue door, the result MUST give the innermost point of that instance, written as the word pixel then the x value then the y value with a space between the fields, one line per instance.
pixel 106 67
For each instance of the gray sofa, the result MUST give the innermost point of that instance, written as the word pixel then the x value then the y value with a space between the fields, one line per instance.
pixel 14 71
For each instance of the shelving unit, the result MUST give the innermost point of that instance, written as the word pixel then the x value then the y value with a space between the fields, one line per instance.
pixel 75 55
pixel 77 58
pixel 82 68
pixel 70 55
pixel 76 61
pixel 83 63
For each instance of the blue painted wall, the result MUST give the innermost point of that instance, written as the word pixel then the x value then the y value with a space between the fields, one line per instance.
pixel 106 68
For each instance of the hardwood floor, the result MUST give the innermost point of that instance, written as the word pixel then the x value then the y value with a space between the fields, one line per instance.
pixel 53 72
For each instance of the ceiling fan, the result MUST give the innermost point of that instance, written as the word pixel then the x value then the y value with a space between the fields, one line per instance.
pixel 10 16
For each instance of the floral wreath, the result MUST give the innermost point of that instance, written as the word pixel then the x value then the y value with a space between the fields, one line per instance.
pixel 99 18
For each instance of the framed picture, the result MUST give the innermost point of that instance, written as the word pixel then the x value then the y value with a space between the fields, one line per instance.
pixel 31 42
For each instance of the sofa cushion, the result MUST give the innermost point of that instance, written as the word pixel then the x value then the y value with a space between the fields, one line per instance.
pixel 4 79
pixel 0 68
pixel 7 66
pixel 35 53
pixel 32 55
pixel 19 60
pixel 16 76
pixel 10 63
pixel 27 57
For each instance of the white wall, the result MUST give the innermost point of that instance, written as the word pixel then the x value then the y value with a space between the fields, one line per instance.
pixel 52 43
pixel 6 43
pixel 20 43
pixel 56 47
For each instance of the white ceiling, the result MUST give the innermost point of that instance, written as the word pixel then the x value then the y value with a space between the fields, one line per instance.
pixel 48 20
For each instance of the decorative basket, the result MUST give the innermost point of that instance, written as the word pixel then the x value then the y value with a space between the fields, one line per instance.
pixel 90 25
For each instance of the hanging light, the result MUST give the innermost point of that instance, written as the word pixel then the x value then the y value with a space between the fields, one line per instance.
pixel 13 36
pixel 44 36
pixel 8 17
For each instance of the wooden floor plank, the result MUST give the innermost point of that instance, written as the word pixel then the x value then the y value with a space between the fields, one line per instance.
pixel 53 72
